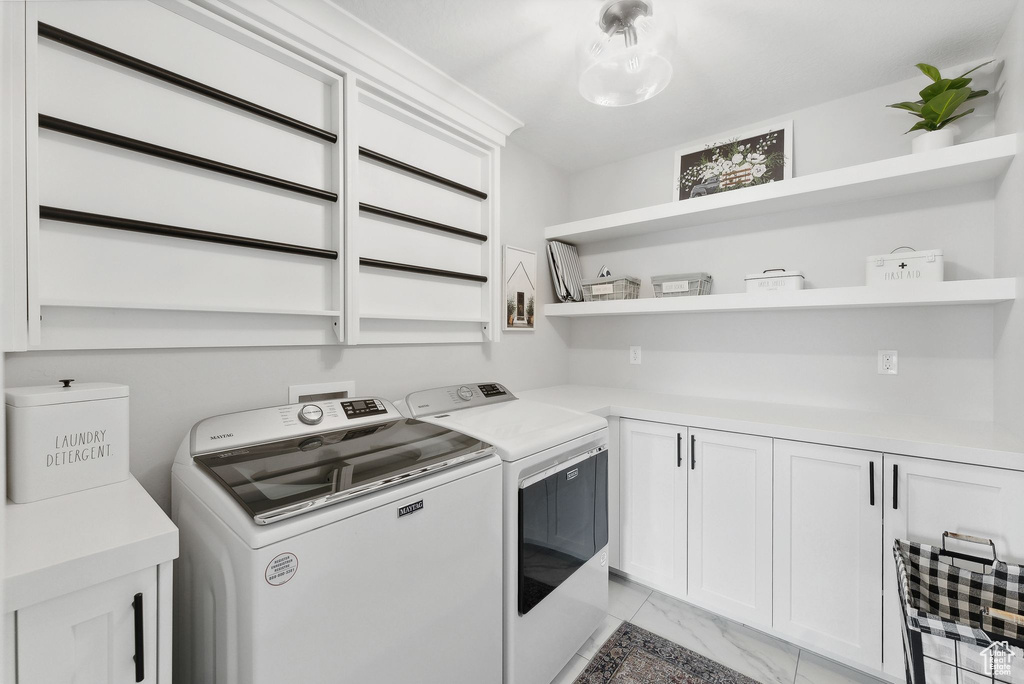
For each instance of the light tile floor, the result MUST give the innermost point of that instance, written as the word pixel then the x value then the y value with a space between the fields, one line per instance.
pixel 757 655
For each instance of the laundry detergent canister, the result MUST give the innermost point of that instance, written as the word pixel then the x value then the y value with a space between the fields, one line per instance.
pixel 65 437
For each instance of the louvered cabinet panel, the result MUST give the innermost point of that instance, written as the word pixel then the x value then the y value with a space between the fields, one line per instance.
pixel 194 205
pixel 424 247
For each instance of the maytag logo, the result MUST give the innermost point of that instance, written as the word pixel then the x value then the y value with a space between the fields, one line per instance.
pixel 571 475
pixel 226 434
pixel 411 508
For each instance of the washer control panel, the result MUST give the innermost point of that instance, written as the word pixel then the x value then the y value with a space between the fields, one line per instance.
pixel 442 399
pixel 234 430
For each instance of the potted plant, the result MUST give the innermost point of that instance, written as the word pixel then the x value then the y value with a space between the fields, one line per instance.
pixel 938 107
pixel 510 311
pixel 529 312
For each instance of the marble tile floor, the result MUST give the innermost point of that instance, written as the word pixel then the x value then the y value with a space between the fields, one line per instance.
pixel 759 656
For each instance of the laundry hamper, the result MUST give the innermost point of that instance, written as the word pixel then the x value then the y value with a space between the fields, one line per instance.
pixel 971 621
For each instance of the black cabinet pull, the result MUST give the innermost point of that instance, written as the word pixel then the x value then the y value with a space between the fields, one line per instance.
pixel 895 486
pixel 140 640
pixel 679 450
pixel 693 452
pixel 871 476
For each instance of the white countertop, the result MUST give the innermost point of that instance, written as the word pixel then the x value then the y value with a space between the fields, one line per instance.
pixel 963 441
pixel 66 543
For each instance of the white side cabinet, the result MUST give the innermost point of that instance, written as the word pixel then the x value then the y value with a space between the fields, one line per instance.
pixel 87 581
pixel 652 507
pixel 828 548
pixel 729 525
pixel 100 634
pixel 924 498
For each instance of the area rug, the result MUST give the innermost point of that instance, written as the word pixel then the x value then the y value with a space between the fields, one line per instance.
pixel 635 656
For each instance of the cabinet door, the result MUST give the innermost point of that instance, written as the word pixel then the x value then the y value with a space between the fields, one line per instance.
pixel 924 498
pixel 652 505
pixel 828 549
pixel 89 635
pixel 730 525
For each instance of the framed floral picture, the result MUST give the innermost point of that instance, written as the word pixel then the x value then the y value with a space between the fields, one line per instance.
pixel 738 161
pixel 520 289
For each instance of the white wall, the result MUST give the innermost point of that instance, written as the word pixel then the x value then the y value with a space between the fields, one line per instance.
pixel 853 130
pixel 1009 232
pixel 172 389
pixel 812 357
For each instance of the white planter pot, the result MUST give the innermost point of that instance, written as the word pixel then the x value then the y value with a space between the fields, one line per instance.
pixel 934 140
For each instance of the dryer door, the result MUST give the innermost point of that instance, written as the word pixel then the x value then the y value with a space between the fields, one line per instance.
pixel 563 522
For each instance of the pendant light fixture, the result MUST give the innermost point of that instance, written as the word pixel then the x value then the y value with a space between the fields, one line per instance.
pixel 626 56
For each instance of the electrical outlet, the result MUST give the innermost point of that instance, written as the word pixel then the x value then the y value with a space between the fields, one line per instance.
pixel 888 362
pixel 634 355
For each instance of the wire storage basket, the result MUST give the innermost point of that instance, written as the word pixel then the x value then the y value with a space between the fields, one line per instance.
pixel 681 284
pixel 601 289
pixel 960 626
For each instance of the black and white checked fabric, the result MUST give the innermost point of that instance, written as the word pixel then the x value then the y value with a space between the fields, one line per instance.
pixel 941 599
pixel 564 261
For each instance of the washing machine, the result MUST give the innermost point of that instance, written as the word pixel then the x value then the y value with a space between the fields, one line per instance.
pixel 336 542
pixel 555 512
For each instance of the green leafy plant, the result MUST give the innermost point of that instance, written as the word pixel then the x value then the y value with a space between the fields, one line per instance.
pixel 529 307
pixel 940 101
pixel 510 306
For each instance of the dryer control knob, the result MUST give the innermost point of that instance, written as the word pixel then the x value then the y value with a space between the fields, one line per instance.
pixel 311 414
pixel 465 393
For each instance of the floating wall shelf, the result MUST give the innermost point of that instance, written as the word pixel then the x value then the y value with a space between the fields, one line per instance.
pixel 954 166
pixel 990 291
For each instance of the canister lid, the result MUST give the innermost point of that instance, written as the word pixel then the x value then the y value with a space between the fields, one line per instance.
pixel 57 393
pixel 774 273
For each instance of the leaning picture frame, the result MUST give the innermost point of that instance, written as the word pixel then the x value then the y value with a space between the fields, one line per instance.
pixel 733 161
pixel 519 288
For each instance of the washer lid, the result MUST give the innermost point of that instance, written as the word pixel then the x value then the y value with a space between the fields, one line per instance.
pixel 285 478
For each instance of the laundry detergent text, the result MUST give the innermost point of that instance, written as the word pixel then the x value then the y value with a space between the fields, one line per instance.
pixel 78 447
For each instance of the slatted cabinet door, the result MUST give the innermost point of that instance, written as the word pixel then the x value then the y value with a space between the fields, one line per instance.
pixel 424 252
pixel 241 147
pixel 90 635
pixel 652 513
pixel 828 549
pixel 730 525
pixel 924 498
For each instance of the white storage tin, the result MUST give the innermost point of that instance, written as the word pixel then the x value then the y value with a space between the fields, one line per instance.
pixel 905 267
pixel 65 438
pixel 774 279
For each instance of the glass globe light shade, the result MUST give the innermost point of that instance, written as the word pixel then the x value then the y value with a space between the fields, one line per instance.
pixel 625 56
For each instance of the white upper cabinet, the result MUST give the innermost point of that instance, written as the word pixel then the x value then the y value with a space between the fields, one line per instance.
pixel 730 525
pixel 190 182
pixel 924 498
pixel 423 240
pixel 653 464
pixel 828 548
pixel 178 197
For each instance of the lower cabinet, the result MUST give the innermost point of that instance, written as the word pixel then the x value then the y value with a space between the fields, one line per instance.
pixel 924 498
pixel 828 549
pixel 652 504
pixel 796 538
pixel 729 525
pixel 102 634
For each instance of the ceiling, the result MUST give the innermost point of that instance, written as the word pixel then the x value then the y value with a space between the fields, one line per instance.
pixel 737 61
